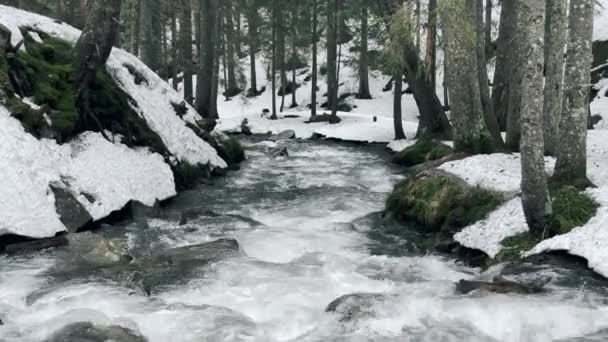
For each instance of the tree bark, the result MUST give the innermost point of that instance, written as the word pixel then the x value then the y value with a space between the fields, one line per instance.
pixel 135 27
pixel 313 95
pixel 486 100
pixel 364 92
pixel 252 33
pixel 535 191
pixel 274 60
pixel 186 48
pixel 174 48
pixel 555 38
pixel 433 121
pixel 431 44
pixel 397 111
pixel 503 62
pixel 571 166
pixel 332 55
pixel 470 130
pixel 207 58
pixel 514 79
pixel 232 88
pixel 92 52
pixel 151 44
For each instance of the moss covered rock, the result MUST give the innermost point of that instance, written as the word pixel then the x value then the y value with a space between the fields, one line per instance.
pixel 422 151
pixel 440 202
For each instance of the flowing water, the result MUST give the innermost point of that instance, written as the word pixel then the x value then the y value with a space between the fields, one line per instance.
pixel 307 234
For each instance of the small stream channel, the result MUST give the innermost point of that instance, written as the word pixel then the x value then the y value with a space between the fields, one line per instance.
pixel 308 232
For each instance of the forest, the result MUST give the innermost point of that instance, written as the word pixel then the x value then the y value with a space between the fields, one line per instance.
pixel 303 170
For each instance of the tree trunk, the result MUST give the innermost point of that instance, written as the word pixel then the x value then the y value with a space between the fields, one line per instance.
pixel 280 22
pixel 397 117
pixel 418 16
pixel 332 55
pixel 514 79
pixel 571 166
pixel 488 25
pixel 151 22
pixel 431 44
pixel 174 48
pixel 136 27
pixel 503 62
pixel 364 92
pixel 486 100
pixel 209 10
pixel 294 53
pixel 92 51
pixel 274 60
pixel 535 192
pixel 470 131
pixel 231 87
pixel 186 48
pixel 433 121
pixel 252 34
pixel 315 38
pixel 555 38
pixel 164 73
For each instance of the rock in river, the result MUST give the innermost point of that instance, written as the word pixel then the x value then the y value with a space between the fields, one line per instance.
pixel 88 332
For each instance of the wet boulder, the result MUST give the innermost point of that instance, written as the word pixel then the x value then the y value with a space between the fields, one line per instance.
pixel 175 265
pixel 499 285
pixel 89 332
pixel 72 214
pixel 280 152
pixel 285 135
pixel 354 306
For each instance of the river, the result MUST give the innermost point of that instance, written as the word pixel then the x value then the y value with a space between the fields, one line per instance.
pixel 309 232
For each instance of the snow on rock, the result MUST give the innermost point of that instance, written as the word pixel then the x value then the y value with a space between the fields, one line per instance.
pixel 153 99
pixel 487 234
pixel 600 27
pixel 27 205
pixel 111 174
pixel 114 174
pixel 589 241
pixel 498 171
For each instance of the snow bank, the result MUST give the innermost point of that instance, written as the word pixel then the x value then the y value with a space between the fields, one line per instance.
pixel 487 234
pixel 589 241
pixel 90 166
pixel 153 99
pixel 498 171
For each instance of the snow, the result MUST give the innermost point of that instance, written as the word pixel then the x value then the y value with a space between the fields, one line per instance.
pixel 103 176
pixel 589 241
pixel 600 27
pixel 487 234
pixel 153 99
pixel 400 145
pixel 499 171
pixel 112 173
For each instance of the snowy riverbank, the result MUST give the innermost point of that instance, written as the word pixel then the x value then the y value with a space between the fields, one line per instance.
pixel 100 175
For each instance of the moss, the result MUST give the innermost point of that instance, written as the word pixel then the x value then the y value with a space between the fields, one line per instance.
pixel 49 77
pixel 441 203
pixel 514 246
pixel 188 175
pixel 476 144
pixel 571 208
pixel 232 151
pixel 422 151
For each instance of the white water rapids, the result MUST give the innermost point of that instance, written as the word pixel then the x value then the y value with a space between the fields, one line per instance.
pixel 306 253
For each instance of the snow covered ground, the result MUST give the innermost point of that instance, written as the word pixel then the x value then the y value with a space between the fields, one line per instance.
pixel 502 172
pixel 101 175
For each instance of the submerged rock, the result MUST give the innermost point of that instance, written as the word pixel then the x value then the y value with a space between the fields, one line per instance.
pixel 285 135
pixel 175 265
pixel 499 285
pixel 354 306
pixel 88 332
pixel 280 152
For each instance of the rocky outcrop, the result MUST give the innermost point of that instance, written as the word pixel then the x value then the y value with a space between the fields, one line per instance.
pixel 89 332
